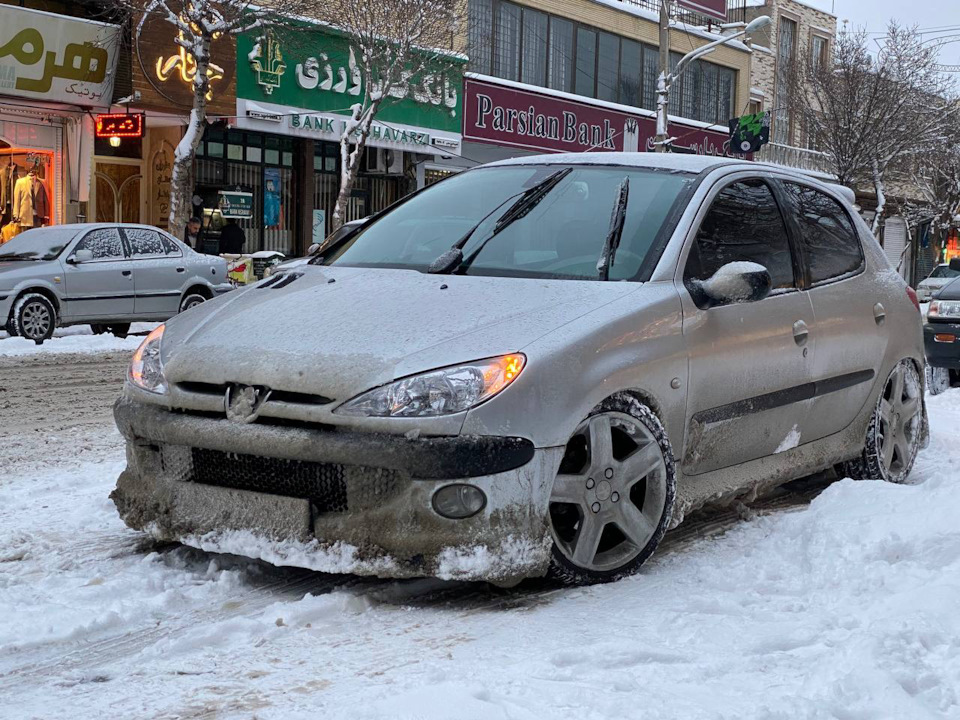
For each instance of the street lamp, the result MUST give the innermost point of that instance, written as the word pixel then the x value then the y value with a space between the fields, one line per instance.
pixel 667 78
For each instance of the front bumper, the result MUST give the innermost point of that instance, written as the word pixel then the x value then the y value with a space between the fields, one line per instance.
pixel 335 501
pixel 942 354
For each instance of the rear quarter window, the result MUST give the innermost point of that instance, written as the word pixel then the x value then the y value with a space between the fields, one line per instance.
pixel 828 239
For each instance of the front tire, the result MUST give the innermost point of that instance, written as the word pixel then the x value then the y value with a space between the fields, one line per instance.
pixel 34 317
pixel 896 429
pixel 613 496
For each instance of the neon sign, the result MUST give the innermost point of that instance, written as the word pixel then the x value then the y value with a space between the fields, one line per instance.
pixel 119 125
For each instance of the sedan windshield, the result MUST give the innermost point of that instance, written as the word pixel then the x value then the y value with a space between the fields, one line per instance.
pixel 944 271
pixel 37 244
pixel 561 236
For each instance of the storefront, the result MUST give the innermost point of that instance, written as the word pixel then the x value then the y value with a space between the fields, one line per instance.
pixel 53 71
pixel 505 119
pixel 294 90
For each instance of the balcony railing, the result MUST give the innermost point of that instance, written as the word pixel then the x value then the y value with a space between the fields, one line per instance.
pixel 795 157
pixel 736 12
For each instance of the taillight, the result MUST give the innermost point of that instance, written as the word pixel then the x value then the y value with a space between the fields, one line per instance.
pixel 913 297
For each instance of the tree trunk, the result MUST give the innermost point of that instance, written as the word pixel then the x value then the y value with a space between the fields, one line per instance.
pixel 881 199
pixel 357 130
pixel 181 180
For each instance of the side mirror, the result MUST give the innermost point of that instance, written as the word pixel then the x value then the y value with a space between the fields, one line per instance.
pixel 737 282
pixel 955 264
pixel 80 256
pixel 313 248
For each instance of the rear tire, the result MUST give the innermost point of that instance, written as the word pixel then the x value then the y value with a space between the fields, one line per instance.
pixel 896 430
pixel 120 330
pixel 98 329
pixel 34 317
pixel 938 380
pixel 191 300
pixel 613 496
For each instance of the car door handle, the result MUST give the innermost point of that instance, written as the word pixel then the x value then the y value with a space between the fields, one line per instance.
pixel 180 269
pixel 800 333
pixel 126 273
pixel 879 314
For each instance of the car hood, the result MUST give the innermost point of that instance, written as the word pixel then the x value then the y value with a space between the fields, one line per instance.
pixel 339 331
pixel 934 282
pixel 950 291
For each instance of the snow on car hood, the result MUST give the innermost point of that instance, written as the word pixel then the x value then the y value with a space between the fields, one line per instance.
pixel 339 331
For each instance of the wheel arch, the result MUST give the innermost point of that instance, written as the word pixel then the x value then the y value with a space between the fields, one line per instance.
pixel 47 292
pixel 199 289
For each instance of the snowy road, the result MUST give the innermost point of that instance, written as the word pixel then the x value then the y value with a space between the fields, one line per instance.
pixel 845 608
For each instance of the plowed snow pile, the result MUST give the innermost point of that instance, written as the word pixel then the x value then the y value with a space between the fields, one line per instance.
pixel 848 608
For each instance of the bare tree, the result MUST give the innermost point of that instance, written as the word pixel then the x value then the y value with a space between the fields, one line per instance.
pixel 874 114
pixel 400 47
pixel 194 26
pixel 936 175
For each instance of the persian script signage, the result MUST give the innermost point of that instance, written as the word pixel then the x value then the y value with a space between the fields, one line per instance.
pixel 717 9
pixel 506 115
pixel 52 57
pixel 315 69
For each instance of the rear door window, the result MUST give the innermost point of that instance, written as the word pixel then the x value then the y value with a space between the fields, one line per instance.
pixel 104 243
pixel 828 239
pixel 744 224
pixel 144 243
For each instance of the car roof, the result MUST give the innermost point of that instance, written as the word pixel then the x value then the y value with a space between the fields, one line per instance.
pixel 668 161
pixel 81 227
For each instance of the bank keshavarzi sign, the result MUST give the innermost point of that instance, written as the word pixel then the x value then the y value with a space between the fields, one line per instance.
pixel 51 57
pixel 315 69
pixel 506 115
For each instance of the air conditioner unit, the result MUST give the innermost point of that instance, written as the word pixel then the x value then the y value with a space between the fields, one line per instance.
pixel 381 161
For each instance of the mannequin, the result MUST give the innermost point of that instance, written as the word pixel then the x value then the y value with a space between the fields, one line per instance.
pixel 30 203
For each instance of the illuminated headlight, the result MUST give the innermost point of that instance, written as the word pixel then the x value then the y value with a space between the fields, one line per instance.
pixel 439 392
pixel 146 368
pixel 944 309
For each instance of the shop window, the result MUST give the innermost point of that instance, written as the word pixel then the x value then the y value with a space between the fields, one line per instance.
pixel 534 65
pixel 561 55
pixel 234 152
pixel 506 56
pixel 608 67
pixel 215 149
pixel 287 159
pixel 271 157
pixel 631 73
pixel 586 62
pixel 254 154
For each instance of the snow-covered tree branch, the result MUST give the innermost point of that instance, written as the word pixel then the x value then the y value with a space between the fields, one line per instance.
pixel 394 43
pixel 195 25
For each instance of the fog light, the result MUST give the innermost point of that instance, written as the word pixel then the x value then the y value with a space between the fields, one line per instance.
pixel 458 501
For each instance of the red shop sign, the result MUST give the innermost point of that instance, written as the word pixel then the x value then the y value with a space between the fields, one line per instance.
pixel 505 115
pixel 717 9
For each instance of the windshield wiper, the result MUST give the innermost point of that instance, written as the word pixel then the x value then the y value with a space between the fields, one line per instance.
pixel 19 256
pixel 612 242
pixel 453 258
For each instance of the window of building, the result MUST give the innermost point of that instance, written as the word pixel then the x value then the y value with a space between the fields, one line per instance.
pixel 831 248
pixel 506 51
pixel 818 52
pixel 651 73
pixel 631 72
pixel 561 55
pixel 586 62
pixel 534 62
pixel 480 35
pixel 608 67
pixel 786 55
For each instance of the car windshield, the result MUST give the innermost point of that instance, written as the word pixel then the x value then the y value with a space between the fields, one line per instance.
pixel 944 271
pixel 562 236
pixel 37 244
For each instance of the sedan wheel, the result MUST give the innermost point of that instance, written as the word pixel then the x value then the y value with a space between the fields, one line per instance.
pixel 192 300
pixel 896 429
pixel 34 317
pixel 613 496
pixel 938 380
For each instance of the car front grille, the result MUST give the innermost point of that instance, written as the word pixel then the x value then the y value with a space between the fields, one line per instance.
pixel 323 484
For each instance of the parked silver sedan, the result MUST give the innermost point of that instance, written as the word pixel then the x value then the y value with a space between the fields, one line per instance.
pixel 534 367
pixel 107 275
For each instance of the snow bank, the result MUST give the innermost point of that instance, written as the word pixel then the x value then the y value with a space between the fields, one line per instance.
pixel 76 339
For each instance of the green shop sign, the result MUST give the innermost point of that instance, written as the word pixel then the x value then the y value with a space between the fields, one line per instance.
pixel 316 69
pixel 236 204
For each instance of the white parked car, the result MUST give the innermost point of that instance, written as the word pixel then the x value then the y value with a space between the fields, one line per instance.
pixel 941 275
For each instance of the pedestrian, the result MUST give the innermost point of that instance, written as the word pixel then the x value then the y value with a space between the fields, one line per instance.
pixel 232 238
pixel 193 234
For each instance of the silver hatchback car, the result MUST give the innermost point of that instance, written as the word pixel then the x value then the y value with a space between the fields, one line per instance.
pixel 532 368
pixel 104 274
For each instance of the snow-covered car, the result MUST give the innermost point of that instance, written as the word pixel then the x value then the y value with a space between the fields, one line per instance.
pixel 942 275
pixel 941 335
pixel 103 274
pixel 534 367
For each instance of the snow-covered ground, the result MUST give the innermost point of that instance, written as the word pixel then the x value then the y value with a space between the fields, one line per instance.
pixel 848 608
pixel 75 339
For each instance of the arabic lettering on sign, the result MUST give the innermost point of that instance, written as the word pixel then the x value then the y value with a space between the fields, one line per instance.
pixel 162 179
pixel 183 65
pixel 42 62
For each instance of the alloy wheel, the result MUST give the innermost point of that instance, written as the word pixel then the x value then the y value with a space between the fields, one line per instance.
pixel 899 420
pixel 609 496
pixel 35 320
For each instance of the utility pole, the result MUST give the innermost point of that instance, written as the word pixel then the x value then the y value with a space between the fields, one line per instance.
pixel 663 90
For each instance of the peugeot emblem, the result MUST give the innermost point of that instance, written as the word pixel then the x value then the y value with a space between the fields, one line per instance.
pixel 244 402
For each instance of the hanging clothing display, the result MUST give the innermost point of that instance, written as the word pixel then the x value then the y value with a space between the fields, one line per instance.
pixel 9 174
pixel 9 231
pixel 31 206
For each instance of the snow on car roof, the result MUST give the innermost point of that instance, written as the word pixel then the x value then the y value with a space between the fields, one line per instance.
pixel 671 161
